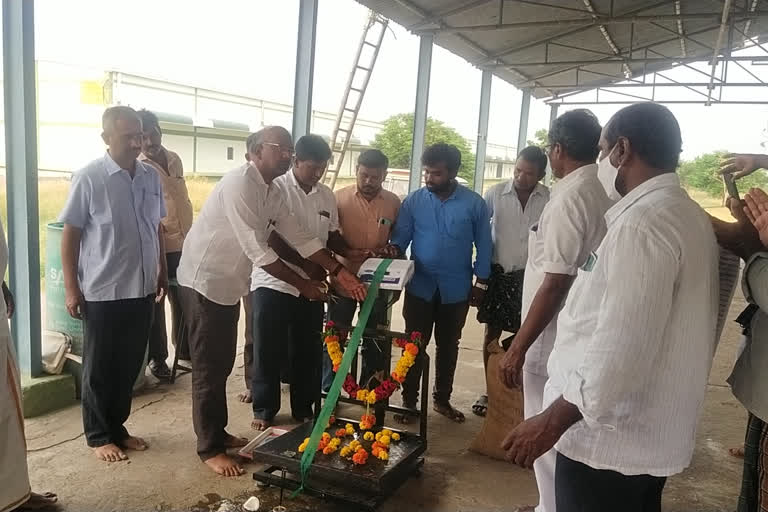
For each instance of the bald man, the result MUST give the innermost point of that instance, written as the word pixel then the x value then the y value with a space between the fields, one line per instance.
pixel 228 239
pixel 113 258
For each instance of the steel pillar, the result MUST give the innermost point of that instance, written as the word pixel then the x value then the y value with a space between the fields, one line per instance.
pixel 522 131
pixel 21 179
pixel 482 130
pixel 305 68
pixel 420 111
pixel 552 116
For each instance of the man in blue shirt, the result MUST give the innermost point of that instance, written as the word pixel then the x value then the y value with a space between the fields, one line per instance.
pixel 441 223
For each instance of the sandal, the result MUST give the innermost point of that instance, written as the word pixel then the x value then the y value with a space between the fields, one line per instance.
pixel 449 412
pixel 45 501
pixel 481 406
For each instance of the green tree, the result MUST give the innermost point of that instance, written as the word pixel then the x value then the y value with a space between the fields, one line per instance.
pixel 540 138
pixel 701 174
pixel 394 140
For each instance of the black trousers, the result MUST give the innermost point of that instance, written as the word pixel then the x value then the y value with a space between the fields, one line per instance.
pixel 448 321
pixel 114 343
pixel 342 312
pixel 580 488
pixel 158 338
pixel 212 331
pixel 284 327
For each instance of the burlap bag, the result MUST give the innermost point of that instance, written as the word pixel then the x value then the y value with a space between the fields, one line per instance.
pixel 505 409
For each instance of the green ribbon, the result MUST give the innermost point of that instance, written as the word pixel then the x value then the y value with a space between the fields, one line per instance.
pixel 341 374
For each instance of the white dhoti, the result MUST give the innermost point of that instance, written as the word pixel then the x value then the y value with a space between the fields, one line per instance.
pixel 14 479
pixel 544 466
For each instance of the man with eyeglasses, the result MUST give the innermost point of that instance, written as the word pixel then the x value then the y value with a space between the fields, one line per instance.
pixel 227 240
pixel 176 225
pixel 113 260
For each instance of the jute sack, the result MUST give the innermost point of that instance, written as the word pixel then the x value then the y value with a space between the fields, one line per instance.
pixel 505 409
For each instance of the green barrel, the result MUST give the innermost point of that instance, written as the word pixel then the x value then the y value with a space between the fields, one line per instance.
pixel 57 318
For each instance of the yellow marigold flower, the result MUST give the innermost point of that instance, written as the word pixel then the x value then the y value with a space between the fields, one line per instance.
pixel 384 440
pixel 383 455
pixel 362 394
pixel 368 436
pixel 386 432
pixel 395 436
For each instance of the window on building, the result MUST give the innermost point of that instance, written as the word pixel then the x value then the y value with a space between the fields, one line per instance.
pixel 500 170
pixel 230 153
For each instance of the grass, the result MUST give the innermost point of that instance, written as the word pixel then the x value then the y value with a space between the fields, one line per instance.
pixel 52 193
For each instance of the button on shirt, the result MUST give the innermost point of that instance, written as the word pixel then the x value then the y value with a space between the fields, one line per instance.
pixel 636 338
pixel 441 235
pixel 365 224
pixel 570 228
pixel 315 211
pixel 230 236
pixel 747 380
pixel 511 224
pixel 119 218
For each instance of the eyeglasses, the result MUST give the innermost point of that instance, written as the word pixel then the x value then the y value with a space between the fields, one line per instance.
pixel 282 149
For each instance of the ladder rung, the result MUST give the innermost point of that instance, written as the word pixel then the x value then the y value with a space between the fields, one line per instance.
pixel 347 109
pixel 340 129
pixel 370 43
pixel 355 89
pixel 363 68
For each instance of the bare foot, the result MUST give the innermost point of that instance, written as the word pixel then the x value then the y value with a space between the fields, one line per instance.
pixel 224 465
pixel 110 453
pixel 737 452
pixel 234 442
pixel 260 425
pixel 134 443
pixel 449 412
pixel 245 397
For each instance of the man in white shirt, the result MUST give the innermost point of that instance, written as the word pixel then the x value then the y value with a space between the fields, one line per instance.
pixel 515 207
pixel 279 311
pixel 113 258
pixel 569 230
pixel 628 373
pixel 227 239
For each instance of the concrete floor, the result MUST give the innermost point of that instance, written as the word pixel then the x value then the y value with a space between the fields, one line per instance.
pixel 170 476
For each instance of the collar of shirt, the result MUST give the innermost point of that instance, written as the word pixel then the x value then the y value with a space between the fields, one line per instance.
pixel 509 188
pixel 113 167
pixel 662 181
pixel 577 175
pixel 293 182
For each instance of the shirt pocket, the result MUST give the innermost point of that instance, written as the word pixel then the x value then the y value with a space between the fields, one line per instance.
pixel 460 228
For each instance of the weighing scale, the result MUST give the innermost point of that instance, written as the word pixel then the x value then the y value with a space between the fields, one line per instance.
pixel 337 479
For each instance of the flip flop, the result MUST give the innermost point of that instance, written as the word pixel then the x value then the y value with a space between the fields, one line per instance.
pixel 480 407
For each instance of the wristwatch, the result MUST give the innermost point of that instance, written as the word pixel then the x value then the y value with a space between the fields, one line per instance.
pixel 482 286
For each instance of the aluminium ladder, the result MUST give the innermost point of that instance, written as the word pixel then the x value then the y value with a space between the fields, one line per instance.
pixel 367 52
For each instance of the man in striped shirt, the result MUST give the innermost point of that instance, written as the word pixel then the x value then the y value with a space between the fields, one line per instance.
pixel 635 341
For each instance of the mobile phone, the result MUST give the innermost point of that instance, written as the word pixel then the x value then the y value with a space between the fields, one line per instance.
pixel 730 186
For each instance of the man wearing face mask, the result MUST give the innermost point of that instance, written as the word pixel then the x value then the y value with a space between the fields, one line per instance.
pixel 629 370
pixel 569 230
pixel 279 311
pixel 229 238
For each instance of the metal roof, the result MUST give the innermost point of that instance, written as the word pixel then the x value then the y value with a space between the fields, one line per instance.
pixel 557 47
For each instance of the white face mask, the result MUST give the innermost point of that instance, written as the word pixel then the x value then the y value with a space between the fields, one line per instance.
pixel 607 173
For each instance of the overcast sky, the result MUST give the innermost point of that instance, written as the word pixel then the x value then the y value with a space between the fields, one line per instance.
pixel 248 47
